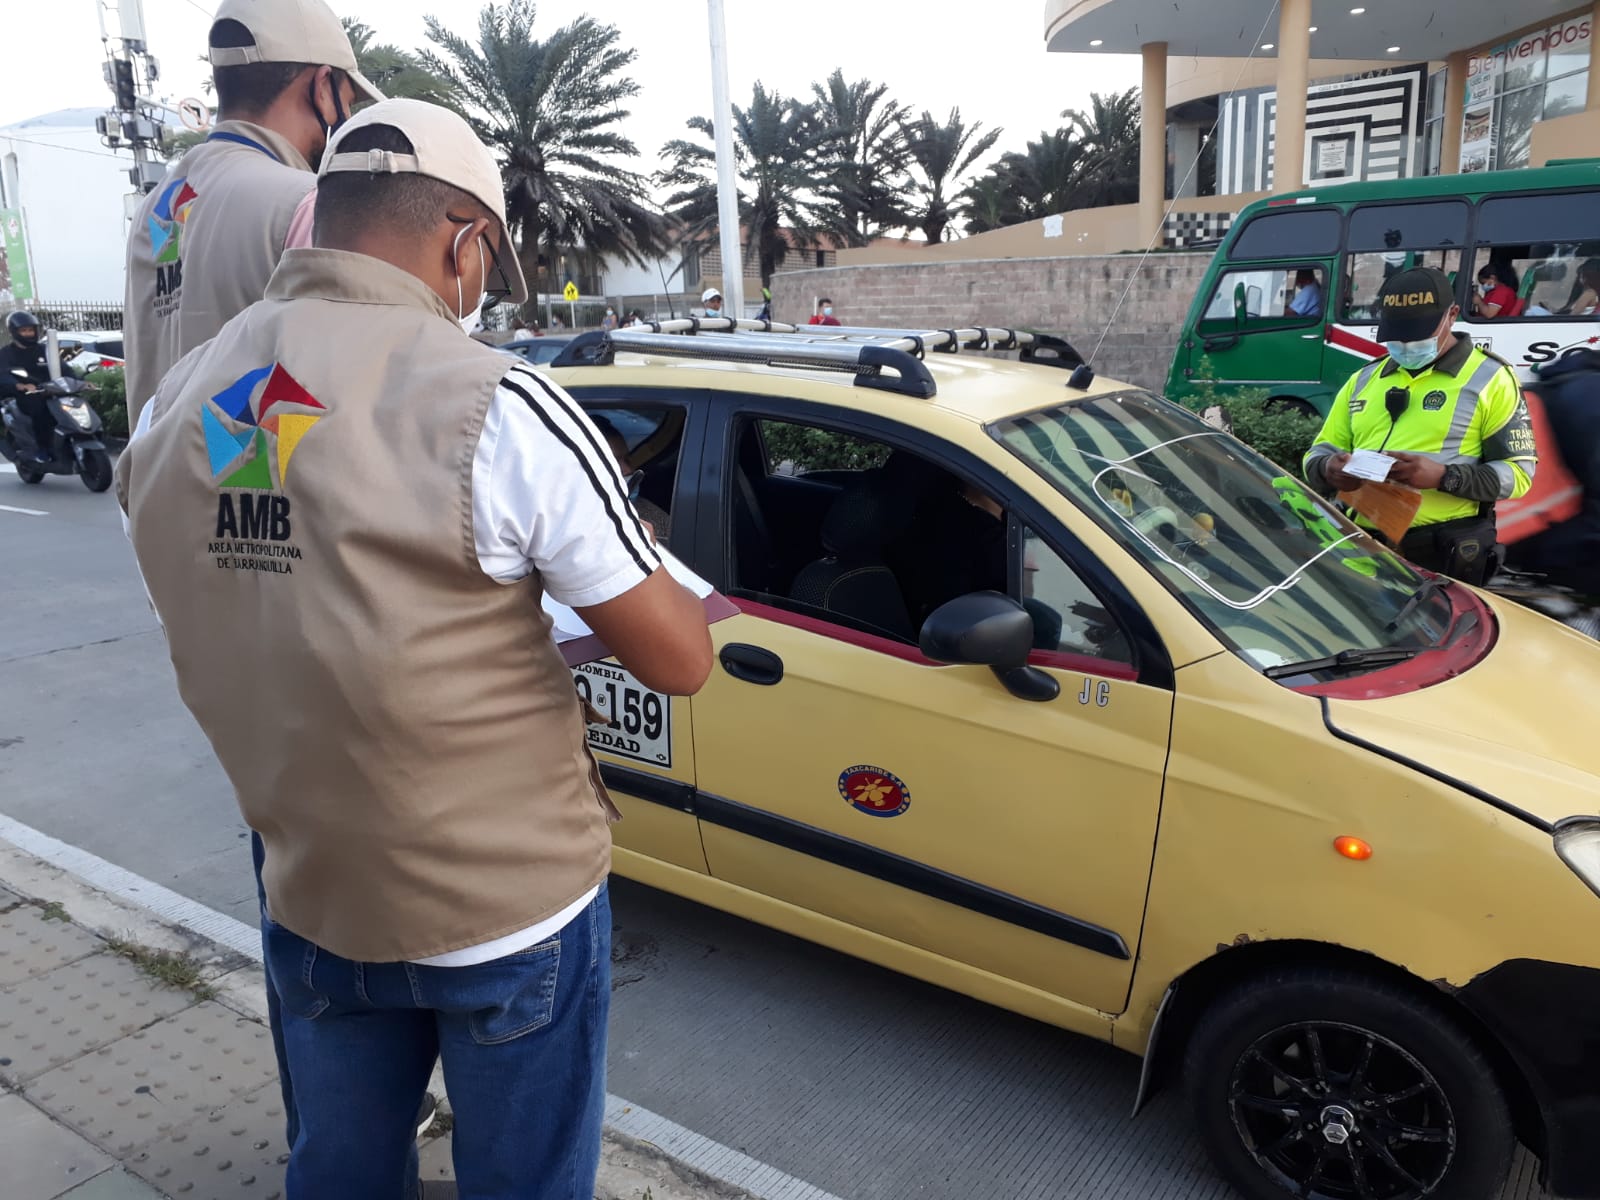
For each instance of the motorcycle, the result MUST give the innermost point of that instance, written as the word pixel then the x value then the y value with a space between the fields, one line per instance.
pixel 1559 603
pixel 74 446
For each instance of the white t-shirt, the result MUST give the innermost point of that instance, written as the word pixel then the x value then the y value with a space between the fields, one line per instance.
pixel 546 496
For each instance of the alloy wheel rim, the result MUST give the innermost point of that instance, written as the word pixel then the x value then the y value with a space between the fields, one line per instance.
pixel 1335 1112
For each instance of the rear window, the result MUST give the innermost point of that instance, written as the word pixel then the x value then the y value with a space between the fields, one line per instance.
pixel 1298 233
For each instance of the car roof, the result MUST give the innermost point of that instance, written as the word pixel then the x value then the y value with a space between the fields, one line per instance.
pixel 968 385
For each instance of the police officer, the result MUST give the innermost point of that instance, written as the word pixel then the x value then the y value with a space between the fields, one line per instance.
pixel 206 240
pixel 1452 416
pixel 25 352
pixel 407 740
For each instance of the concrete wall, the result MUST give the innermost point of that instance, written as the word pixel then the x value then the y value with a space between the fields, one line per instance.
pixel 1071 296
pixel 1576 135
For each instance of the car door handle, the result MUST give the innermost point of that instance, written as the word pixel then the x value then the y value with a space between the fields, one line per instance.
pixel 751 664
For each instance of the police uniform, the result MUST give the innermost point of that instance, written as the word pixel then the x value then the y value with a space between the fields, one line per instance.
pixel 205 242
pixel 1464 410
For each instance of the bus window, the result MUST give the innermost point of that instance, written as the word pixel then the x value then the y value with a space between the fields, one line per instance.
pixel 1519 278
pixel 1385 238
pixel 1295 233
pixel 1268 295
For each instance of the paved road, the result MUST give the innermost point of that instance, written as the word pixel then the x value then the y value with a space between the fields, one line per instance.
pixel 861 1082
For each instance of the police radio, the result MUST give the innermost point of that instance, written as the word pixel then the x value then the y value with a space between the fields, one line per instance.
pixel 1396 400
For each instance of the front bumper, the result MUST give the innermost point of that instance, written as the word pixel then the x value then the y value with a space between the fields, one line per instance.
pixel 1547 1016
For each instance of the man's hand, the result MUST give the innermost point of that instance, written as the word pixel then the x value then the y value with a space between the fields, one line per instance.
pixel 27 387
pixel 1333 472
pixel 1417 470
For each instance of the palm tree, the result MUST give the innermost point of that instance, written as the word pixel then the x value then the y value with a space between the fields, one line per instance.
pixel 396 73
pixel 1109 135
pixel 779 147
pixel 551 109
pixel 941 153
pixel 869 144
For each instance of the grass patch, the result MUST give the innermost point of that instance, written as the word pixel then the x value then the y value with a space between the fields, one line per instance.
pixel 180 971
pixel 53 911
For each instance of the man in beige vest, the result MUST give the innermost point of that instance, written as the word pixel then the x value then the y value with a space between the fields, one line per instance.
pixel 205 242
pixel 348 554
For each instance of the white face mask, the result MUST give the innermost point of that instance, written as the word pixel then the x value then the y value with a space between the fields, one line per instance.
pixel 471 318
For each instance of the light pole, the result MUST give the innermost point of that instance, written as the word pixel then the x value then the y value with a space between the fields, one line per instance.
pixel 131 122
pixel 727 174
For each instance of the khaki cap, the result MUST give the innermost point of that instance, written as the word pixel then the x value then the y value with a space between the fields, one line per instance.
pixel 444 148
pixel 291 31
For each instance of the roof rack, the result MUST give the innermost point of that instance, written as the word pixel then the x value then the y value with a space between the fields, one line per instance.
pixel 865 353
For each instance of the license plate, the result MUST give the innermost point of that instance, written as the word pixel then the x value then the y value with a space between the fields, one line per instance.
pixel 637 722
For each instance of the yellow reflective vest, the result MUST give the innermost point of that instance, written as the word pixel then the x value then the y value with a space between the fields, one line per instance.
pixel 1466 408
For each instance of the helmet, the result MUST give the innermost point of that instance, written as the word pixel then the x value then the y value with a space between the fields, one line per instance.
pixel 17 322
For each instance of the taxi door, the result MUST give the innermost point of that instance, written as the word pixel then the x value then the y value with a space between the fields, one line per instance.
pixel 844 773
pixel 644 740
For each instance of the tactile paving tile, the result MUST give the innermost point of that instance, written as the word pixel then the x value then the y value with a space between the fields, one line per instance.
pixel 54 1018
pixel 146 1085
pixel 233 1153
pixel 31 945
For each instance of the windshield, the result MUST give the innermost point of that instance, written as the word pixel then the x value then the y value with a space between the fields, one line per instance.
pixel 1276 571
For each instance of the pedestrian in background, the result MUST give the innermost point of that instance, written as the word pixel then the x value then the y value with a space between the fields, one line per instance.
pixel 437 833
pixel 824 314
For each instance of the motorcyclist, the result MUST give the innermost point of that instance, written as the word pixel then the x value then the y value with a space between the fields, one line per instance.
pixel 1568 554
pixel 26 352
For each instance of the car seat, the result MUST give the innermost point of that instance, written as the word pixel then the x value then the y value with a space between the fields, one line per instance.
pixel 854 579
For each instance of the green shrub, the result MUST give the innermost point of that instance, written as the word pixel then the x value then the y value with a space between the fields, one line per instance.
pixel 1274 431
pixel 819 449
pixel 111 400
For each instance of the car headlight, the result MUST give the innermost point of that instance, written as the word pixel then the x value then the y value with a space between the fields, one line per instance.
pixel 1578 844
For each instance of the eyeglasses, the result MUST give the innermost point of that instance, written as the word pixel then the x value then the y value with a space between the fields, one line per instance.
pixel 495 294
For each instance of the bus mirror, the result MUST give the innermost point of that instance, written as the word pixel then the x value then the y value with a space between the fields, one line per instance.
pixel 1241 309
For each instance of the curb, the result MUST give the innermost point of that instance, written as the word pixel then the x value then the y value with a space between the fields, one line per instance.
pixel 631 1168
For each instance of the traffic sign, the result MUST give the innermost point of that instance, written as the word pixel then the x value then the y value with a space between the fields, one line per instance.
pixel 570 292
pixel 196 117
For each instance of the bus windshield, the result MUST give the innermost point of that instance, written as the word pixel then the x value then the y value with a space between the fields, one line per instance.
pixel 1275 571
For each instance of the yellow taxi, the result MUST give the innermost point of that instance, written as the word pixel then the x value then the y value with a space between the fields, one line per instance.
pixel 1044 690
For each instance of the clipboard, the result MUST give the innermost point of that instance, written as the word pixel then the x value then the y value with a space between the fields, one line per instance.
pixel 1391 507
pixel 579 644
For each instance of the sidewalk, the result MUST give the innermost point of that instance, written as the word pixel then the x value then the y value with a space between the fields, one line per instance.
pixel 135 1062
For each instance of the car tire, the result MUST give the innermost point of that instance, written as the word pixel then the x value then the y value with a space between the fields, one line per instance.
pixel 1303 1081
pixel 96 468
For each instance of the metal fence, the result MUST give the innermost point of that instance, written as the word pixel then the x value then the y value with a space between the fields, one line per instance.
pixel 77 316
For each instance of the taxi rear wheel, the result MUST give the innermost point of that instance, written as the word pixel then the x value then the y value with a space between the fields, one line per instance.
pixel 1328 1085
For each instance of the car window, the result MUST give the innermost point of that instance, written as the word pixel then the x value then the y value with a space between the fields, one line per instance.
pixel 791 449
pixel 1068 617
pixel 1302 233
pixel 1269 296
pixel 1544 250
pixel 1386 238
pixel 1273 569
pixel 645 441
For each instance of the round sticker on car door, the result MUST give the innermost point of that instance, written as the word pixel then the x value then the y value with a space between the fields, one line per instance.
pixel 874 791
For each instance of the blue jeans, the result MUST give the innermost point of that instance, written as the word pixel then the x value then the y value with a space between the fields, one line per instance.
pixel 258 855
pixel 523 1041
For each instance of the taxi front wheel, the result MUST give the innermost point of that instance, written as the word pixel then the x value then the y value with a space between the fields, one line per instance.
pixel 1329 1085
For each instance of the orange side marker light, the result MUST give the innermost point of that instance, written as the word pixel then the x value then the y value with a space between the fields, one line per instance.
pixel 1353 847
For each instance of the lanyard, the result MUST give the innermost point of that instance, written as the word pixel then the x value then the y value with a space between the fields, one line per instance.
pixel 240 139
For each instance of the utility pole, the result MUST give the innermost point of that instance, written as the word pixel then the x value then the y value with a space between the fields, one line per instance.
pixel 727 173
pixel 130 71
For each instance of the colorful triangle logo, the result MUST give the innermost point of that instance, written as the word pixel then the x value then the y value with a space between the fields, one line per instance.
pixel 159 234
pixel 257 473
pixel 291 428
pixel 170 252
pixel 235 398
pixel 283 388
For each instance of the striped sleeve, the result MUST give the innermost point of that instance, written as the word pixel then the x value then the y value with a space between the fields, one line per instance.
pixel 547 496
pixel 1508 441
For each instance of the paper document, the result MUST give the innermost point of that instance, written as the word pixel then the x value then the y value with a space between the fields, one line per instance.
pixel 579 644
pixel 1369 464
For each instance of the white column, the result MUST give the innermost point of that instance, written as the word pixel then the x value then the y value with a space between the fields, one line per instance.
pixel 1153 141
pixel 1294 67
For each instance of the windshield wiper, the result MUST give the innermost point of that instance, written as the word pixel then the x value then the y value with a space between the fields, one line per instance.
pixel 1431 586
pixel 1346 660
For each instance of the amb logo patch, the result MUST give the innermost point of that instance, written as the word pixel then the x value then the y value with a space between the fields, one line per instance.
pixel 252 428
pixel 165 225
pixel 874 791
pixel 1434 401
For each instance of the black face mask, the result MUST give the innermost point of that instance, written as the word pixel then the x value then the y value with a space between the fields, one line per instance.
pixel 26 341
pixel 340 116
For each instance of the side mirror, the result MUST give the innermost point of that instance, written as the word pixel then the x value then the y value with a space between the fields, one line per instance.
pixel 1241 304
pixel 988 629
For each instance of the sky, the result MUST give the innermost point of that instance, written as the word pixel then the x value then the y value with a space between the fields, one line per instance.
pixel 939 54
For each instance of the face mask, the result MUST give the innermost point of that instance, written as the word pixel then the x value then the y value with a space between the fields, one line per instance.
pixel 471 318
pixel 1413 356
pixel 827 310
pixel 339 117
pixel 713 312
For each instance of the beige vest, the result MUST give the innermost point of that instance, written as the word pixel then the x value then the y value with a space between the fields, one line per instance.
pixel 203 246
pixel 399 728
